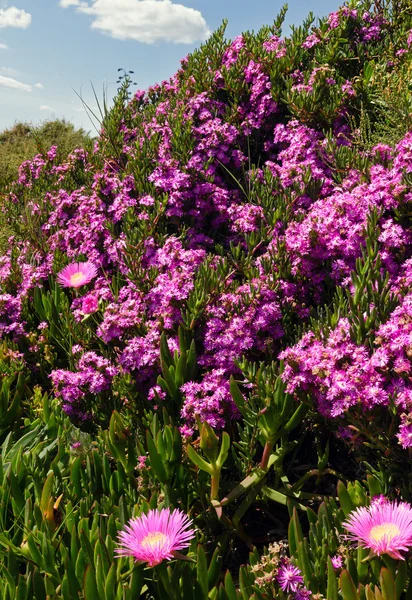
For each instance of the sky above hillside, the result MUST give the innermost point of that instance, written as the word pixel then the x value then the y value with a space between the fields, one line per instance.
pixel 51 51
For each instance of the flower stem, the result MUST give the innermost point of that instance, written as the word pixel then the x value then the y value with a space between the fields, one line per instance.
pixel 214 490
pixel 267 450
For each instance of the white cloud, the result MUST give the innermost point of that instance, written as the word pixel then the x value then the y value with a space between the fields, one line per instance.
pixel 14 17
pixel 67 3
pixel 46 107
pixel 3 46
pixel 9 70
pixel 39 86
pixel 146 21
pixel 13 84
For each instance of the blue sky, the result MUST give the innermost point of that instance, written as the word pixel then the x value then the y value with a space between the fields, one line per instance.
pixel 50 49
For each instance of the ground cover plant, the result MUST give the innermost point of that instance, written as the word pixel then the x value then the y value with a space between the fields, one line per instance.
pixel 24 141
pixel 206 325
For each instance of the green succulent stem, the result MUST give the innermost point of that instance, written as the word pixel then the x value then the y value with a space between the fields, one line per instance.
pixel 267 451
pixel 215 481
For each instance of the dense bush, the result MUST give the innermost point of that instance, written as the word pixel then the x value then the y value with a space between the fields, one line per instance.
pixel 23 141
pixel 211 311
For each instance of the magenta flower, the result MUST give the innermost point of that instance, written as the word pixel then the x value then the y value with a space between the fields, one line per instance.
pixel 90 304
pixel 385 528
pixel 337 562
pixel 77 274
pixel 158 535
pixel 303 594
pixel 289 578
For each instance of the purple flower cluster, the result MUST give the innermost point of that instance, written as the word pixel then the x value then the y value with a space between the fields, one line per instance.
pixel 341 375
pixel 93 375
pixel 230 168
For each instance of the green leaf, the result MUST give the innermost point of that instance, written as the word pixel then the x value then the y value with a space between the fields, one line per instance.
pixel 17 494
pixel 224 449
pixel 156 461
pixel 297 527
pixel 180 373
pixel 209 443
pixel 230 588
pixel 388 587
pixel 36 555
pixel 75 477
pixel 73 584
pixel 361 567
pixel 305 564
pixel 165 354
pixel 47 493
pixel 332 589
pixel 86 545
pixel 81 564
pixel 401 578
pixel 13 410
pixel 117 438
pixel 348 587
pixel 191 362
pixel 344 499
pixel 169 381
pixel 49 556
pixel 22 589
pixel 255 477
pixel 214 568
pixel 279 497
pixel 90 585
pixel 110 585
pixel 408 595
pixel 237 396
pixel 199 461
pixel 137 581
pixel 369 593
pixel 100 576
pixel 38 584
pixel 296 418
pixel 202 571
pixel 375 488
pixel 100 550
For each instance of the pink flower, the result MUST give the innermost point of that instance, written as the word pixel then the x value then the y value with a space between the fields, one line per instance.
pixel 141 460
pixel 337 562
pixel 90 304
pixel 405 435
pixel 303 594
pixel 153 537
pixel 385 528
pixel 289 578
pixel 77 274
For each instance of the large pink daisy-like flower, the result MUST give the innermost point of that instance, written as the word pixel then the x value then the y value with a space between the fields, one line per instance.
pixel 384 527
pixel 153 537
pixel 289 578
pixel 77 274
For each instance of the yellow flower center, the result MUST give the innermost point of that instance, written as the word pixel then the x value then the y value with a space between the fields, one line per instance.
pixel 76 278
pixel 386 530
pixel 153 538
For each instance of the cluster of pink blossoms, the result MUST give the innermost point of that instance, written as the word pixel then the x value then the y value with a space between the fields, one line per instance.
pixel 341 375
pixel 249 183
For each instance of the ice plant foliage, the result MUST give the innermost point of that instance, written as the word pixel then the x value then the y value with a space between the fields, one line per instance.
pixel 383 527
pixel 76 275
pixel 154 537
pixel 236 312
